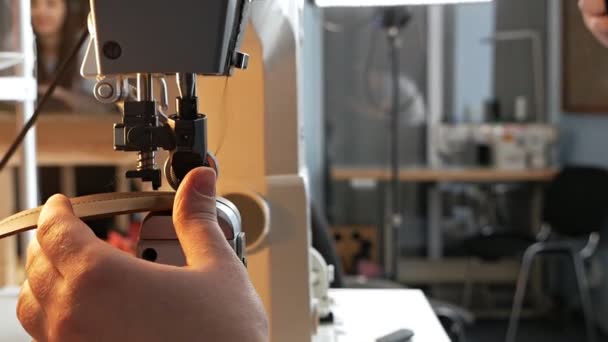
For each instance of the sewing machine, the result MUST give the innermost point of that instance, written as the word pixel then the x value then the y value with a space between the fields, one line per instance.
pixel 261 162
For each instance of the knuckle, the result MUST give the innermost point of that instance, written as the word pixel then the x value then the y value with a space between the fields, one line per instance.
pixel 51 230
pixel 40 285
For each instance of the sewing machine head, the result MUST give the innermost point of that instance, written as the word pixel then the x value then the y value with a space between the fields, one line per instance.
pixel 262 156
pixel 147 41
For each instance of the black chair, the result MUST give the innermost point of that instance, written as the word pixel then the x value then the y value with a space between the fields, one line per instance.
pixel 575 208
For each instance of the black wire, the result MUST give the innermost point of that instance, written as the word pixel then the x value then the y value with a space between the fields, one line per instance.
pixel 32 121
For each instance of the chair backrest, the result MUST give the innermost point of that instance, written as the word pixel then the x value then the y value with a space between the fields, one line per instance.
pixel 576 201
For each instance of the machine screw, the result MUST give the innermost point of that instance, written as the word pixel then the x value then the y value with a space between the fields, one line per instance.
pixel 112 50
pixel 105 91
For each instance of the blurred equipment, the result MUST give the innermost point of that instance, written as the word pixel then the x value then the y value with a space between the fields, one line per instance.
pixel 574 210
pixel 357 247
pixel 322 275
pixel 538 67
pixel 501 146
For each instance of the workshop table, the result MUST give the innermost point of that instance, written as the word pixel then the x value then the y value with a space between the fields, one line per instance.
pixel 363 315
pixel 433 177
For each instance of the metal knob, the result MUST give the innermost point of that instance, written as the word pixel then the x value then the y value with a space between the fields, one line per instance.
pixel 109 90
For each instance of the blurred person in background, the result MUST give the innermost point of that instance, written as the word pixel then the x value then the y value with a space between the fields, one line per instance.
pixel 56 24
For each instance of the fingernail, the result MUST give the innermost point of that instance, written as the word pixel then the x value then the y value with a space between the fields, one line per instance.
pixel 204 182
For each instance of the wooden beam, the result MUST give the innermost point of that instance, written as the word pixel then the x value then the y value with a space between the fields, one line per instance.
pixel 457 270
pixel 430 175
pixel 70 139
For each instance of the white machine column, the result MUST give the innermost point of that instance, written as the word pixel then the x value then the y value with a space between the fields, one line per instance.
pixel 25 110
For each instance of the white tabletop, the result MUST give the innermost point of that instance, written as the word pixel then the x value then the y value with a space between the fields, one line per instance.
pixel 361 316
pixel 10 329
pixel 364 315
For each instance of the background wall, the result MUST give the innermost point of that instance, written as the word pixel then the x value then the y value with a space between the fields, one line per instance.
pixel 314 123
pixel 584 139
pixel 472 62
pixel 513 66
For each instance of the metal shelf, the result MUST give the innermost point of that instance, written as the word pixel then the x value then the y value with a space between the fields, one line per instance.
pixel 10 59
pixel 21 87
pixel 17 89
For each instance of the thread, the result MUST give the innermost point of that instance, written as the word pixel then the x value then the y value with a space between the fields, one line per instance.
pixel 225 112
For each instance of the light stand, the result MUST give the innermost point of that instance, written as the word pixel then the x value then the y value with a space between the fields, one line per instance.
pixel 393 20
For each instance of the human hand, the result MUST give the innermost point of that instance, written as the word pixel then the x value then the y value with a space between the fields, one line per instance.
pixel 595 15
pixel 79 288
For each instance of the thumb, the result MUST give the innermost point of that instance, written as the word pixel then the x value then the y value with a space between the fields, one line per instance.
pixel 195 219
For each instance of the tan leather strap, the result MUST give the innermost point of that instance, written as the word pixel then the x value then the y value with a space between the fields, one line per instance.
pixel 94 207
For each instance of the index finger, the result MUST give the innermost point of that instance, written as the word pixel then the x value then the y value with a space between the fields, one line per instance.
pixel 593 7
pixel 63 236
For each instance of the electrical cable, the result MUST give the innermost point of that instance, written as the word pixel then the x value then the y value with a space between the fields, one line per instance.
pixel 32 121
